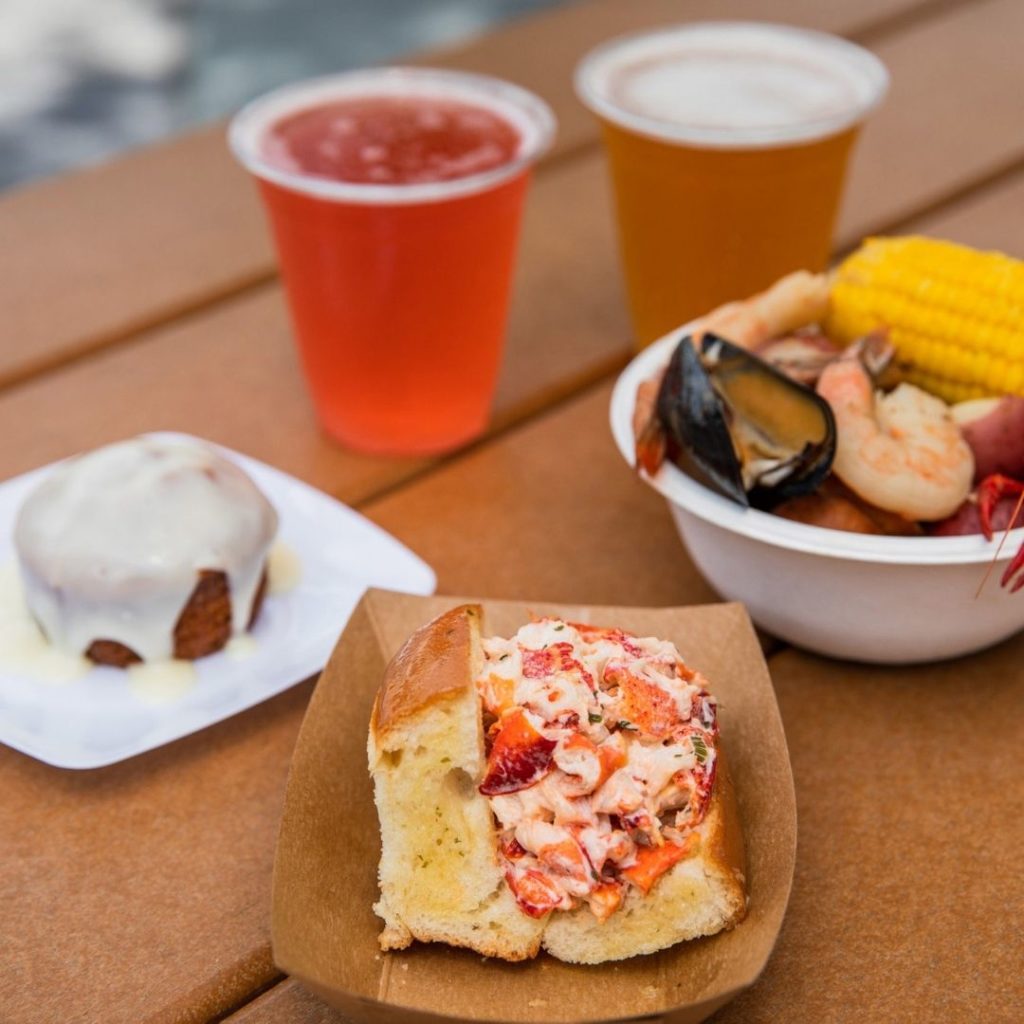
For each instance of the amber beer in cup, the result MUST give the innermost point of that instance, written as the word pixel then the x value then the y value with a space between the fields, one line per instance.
pixel 728 144
pixel 395 196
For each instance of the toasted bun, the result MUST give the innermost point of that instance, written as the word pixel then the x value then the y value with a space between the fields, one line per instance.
pixel 439 874
pixel 440 877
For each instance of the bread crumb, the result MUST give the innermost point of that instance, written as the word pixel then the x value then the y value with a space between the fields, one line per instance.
pixel 405 967
pixel 649 992
pixel 537 1002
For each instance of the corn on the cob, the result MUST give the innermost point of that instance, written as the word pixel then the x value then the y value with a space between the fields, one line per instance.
pixel 955 316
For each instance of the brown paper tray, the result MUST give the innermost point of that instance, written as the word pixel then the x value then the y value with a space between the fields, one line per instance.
pixel 325 874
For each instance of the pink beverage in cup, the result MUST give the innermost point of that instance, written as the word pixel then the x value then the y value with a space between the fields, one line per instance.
pixel 395 197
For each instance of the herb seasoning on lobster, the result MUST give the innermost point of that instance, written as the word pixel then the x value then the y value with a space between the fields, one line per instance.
pixel 600 762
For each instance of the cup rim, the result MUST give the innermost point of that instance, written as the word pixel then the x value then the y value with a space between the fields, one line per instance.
pixel 528 113
pixel 856 61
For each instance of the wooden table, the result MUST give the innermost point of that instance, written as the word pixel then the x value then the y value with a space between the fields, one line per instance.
pixel 142 295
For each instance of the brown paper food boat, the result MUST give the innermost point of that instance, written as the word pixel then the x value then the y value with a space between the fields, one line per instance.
pixel 325 874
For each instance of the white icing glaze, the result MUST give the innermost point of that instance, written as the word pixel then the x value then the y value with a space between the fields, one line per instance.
pixel 284 569
pixel 23 648
pixel 238 648
pixel 160 682
pixel 111 544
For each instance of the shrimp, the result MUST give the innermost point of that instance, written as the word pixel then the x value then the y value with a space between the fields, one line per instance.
pixel 796 300
pixel 900 451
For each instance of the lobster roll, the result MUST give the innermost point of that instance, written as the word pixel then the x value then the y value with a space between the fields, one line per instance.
pixel 561 789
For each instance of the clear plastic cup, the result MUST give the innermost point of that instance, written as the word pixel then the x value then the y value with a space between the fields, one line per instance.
pixel 728 144
pixel 398 292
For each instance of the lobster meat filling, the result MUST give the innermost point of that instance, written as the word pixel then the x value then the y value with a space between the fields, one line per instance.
pixel 601 761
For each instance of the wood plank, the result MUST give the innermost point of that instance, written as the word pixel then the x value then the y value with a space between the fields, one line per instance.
pixel 170 228
pixel 128 891
pixel 114 248
pixel 990 219
pixel 558 512
pixel 220 374
pixel 898 911
pixel 907 784
pixel 953 116
pixel 561 513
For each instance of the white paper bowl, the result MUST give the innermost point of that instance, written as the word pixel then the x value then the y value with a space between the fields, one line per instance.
pixel 882 599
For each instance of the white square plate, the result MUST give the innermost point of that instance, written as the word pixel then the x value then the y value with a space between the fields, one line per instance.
pixel 99 718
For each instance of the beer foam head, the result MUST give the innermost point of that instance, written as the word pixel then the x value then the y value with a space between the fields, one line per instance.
pixel 732 84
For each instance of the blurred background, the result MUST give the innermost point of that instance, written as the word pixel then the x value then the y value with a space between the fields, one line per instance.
pixel 81 80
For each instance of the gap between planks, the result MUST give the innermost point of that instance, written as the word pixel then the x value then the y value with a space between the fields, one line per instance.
pixel 247 1000
pixel 887 26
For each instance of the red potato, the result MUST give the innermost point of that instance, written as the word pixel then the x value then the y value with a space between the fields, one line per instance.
pixel 966 519
pixel 994 429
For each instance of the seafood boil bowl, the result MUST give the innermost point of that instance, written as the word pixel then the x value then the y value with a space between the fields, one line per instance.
pixel 880 599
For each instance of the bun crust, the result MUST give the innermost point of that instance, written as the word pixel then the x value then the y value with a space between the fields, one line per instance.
pixel 440 875
pixel 435 663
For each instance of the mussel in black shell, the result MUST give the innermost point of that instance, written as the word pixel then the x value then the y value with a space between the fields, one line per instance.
pixel 758 435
